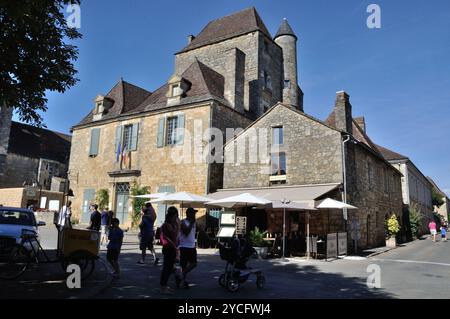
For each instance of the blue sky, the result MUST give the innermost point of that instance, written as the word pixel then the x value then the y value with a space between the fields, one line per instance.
pixel 398 76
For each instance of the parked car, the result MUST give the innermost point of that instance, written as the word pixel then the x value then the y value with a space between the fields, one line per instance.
pixel 13 222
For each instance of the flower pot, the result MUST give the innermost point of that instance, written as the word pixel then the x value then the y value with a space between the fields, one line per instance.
pixel 391 242
pixel 262 251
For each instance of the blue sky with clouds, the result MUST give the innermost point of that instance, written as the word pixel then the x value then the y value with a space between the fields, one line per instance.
pixel 398 76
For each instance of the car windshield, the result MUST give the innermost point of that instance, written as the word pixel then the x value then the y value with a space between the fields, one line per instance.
pixel 12 217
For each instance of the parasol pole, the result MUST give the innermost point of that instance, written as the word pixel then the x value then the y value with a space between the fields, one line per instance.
pixel 307 235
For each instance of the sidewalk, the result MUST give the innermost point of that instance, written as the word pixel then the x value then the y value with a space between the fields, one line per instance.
pixel 48 281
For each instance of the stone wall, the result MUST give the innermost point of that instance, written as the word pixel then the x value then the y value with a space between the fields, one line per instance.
pixel 313 152
pixel 374 187
pixel 165 166
pixel 223 58
pixel 19 169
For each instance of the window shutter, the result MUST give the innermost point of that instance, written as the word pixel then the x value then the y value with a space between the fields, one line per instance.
pixel 180 129
pixel 160 137
pixel 134 137
pixel 95 139
pixel 118 137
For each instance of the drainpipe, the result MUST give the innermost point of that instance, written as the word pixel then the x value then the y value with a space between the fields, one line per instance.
pixel 344 172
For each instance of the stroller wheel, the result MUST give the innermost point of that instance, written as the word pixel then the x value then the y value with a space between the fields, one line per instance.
pixel 260 281
pixel 223 280
pixel 233 285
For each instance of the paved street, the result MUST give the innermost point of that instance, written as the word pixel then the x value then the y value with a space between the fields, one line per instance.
pixel 418 270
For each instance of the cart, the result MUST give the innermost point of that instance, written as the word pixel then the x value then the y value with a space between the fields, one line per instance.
pixel 75 246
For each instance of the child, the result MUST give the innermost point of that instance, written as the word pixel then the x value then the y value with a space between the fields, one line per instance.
pixel 115 244
pixel 443 233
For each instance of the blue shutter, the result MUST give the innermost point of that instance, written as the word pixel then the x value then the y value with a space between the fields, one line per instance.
pixel 118 139
pixel 180 129
pixel 134 137
pixel 95 139
pixel 160 137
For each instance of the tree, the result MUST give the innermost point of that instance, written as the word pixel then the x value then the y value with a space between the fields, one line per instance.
pixel 102 198
pixel 34 55
pixel 415 220
pixel 438 200
pixel 137 203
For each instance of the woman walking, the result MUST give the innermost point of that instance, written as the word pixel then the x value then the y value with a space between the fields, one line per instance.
pixel 169 240
pixel 147 234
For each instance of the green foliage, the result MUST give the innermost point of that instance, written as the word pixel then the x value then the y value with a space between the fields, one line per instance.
pixel 137 203
pixel 102 198
pixel 257 237
pixel 34 55
pixel 438 200
pixel 392 226
pixel 415 219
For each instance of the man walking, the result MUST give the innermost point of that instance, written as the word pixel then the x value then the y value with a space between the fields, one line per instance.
pixel 105 224
pixel 432 226
pixel 188 251
pixel 96 219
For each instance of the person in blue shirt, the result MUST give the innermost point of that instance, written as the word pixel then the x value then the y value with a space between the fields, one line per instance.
pixel 114 246
pixel 147 234
pixel 444 233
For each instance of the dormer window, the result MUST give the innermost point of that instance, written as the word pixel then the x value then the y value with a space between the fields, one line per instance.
pixel 177 89
pixel 102 105
pixel 267 81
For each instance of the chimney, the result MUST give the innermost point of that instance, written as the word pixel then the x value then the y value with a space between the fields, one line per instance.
pixel 361 121
pixel 190 38
pixel 343 112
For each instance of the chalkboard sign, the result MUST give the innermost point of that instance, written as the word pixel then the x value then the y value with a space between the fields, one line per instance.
pixel 241 225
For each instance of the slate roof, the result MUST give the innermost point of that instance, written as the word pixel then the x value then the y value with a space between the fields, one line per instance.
pixel 205 83
pixel 236 24
pixel 391 155
pixel 34 142
pixel 126 97
pixel 285 29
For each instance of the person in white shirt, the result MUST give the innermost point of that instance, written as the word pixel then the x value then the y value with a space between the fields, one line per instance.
pixel 64 216
pixel 187 245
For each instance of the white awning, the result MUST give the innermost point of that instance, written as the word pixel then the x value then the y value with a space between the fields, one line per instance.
pixel 334 204
pixel 302 194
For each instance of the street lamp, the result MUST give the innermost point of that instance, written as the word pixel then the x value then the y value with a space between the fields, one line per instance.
pixel 284 202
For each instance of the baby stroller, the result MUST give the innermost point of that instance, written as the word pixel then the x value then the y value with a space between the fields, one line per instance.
pixel 236 271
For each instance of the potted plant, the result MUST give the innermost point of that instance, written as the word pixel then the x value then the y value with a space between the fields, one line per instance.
pixel 257 238
pixel 392 228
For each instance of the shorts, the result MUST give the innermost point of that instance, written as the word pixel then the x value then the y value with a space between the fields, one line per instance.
pixel 433 232
pixel 104 230
pixel 113 254
pixel 146 244
pixel 187 255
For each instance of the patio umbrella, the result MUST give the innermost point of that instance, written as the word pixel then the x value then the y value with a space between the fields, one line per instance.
pixel 241 200
pixel 184 199
pixel 331 203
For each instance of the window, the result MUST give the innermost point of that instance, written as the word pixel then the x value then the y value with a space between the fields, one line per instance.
pixel 267 81
pixel 278 164
pixel 127 137
pixel 287 84
pixel 172 125
pixel 95 139
pixel 370 174
pixel 277 137
pixel 174 90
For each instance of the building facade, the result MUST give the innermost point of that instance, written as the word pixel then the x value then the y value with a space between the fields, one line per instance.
pixel 302 152
pixel 226 77
pixel 416 188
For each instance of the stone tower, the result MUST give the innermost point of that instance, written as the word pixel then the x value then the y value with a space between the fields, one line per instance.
pixel 5 128
pixel 287 40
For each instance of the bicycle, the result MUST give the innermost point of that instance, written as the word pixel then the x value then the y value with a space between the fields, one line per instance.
pixel 16 258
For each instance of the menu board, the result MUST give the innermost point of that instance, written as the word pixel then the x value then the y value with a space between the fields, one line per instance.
pixel 241 225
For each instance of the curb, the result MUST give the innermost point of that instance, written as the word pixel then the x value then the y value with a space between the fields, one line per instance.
pixel 99 288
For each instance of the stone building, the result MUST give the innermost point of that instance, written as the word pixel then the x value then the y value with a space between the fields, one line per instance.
pixel 444 210
pixel 416 188
pixel 30 155
pixel 304 162
pixel 226 77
